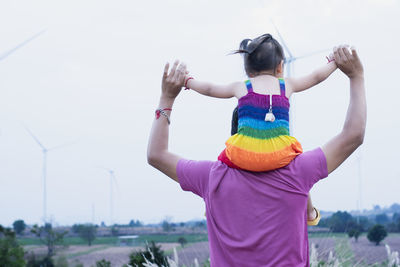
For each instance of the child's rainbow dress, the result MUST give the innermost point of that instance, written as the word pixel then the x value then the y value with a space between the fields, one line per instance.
pixel 261 145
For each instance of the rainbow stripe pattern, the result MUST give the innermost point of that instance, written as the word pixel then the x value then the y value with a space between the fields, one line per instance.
pixel 261 145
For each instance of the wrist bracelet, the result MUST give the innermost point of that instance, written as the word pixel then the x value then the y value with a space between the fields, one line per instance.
pixel 329 60
pixel 161 111
pixel 186 82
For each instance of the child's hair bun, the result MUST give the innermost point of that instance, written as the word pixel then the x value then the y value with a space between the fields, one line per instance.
pixel 248 46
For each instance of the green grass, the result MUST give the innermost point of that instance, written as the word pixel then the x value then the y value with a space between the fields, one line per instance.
pixel 71 241
pixel 172 238
pixel 343 252
pixel 327 235
pixel 157 238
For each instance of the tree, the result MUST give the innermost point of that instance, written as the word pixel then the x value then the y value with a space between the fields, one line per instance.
pixel 114 231
pixel 340 222
pixel 49 237
pixel 377 208
pixel 87 232
pixel 75 228
pixel 19 226
pixel 152 253
pixel 381 218
pixel 11 253
pixel 364 223
pixel 134 223
pixel 182 241
pixel 376 234
pixel 166 226
pixel 354 233
pixel 395 207
pixel 396 217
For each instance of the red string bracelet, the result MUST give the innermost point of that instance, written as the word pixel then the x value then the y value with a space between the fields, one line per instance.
pixel 330 60
pixel 186 82
pixel 161 111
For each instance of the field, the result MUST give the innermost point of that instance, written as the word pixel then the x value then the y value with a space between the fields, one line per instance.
pixel 349 252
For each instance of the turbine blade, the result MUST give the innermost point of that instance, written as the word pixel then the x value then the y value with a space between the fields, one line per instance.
pixel 103 168
pixel 63 145
pixel 281 39
pixel 312 53
pixel 9 52
pixel 34 137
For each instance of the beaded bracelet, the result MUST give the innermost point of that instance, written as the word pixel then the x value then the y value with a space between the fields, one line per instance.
pixel 161 111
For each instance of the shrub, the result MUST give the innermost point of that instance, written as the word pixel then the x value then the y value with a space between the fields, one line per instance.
pixel 87 232
pixel 354 233
pixel 376 234
pixel 19 226
pixel 152 253
pixel 103 263
pixel 41 261
pixel 11 253
pixel 49 237
pixel 182 241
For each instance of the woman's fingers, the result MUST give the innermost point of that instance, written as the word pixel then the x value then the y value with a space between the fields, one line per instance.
pixel 165 74
pixel 181 72
pixel 173 69
pixel 347 52
pixel 342 54
pixel 336 54
pixel 354 52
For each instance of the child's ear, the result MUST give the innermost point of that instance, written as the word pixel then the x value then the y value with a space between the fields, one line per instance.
pixel 280 68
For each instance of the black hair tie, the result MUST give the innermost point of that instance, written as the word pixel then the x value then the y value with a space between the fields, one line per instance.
pixel 254 44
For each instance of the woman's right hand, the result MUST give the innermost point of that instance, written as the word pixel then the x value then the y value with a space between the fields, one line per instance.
pixel 348 61
pixel 173 81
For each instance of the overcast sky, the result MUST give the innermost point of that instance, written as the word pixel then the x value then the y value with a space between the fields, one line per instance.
pixel 94 76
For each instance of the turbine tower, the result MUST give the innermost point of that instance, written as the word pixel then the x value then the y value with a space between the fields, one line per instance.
pixel 289 66
pixel 359 167
pixel 12 50
pixel 112 180
pixel 45 150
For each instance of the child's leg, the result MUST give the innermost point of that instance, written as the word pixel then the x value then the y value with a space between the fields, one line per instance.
pixel 313 215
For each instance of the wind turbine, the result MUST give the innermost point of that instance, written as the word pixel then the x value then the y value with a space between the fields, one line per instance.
pixel 112 180
pixel 12 50
pixel 359 167
pixel 289 66
pixel 45 150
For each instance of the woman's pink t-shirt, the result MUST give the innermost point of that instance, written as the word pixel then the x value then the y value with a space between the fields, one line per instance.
pixel 255 218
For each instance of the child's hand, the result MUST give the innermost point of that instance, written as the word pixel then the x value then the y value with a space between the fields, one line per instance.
pixel 348 61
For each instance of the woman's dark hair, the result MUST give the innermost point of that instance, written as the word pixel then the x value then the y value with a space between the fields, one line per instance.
pixel 264 53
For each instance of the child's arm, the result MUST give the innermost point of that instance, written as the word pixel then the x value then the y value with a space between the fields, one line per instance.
pixel 308 81
pixel 209 89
